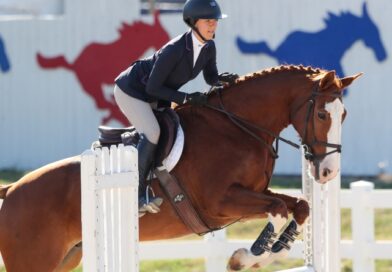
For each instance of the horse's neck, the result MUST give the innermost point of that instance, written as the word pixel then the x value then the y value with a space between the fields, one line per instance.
pixel 258 106
pixel 128 44
pixel 346 40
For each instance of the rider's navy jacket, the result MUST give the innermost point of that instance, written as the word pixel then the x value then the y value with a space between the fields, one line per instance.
pixel 161 75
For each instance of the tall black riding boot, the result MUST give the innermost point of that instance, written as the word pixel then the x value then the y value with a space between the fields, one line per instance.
pixel 146 152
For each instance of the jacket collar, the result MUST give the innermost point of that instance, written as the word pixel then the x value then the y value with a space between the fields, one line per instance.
pixel 188 40
pixel 189 43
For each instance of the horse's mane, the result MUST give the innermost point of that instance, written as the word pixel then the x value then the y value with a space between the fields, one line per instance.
pixel 278 69
pixel 131 27
pixel 333 19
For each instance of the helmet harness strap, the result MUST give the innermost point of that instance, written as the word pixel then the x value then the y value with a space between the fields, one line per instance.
pixel 193 26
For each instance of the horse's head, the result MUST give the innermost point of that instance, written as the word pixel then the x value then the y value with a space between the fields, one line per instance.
pixel 371 35
pixel 150 35
pixel 318 121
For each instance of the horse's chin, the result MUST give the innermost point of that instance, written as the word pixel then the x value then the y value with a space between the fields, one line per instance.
pixel 326 174
pixel 323 180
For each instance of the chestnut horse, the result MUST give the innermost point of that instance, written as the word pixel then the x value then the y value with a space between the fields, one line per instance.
pixel 224 169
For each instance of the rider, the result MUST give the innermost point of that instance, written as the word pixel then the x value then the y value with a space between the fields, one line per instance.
pixel 158 78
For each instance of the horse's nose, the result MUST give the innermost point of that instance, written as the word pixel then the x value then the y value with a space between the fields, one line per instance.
pixel 326 172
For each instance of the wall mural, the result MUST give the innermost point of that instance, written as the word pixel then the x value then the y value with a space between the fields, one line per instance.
pixel 326 47
pixel 5 65
pixel 99 64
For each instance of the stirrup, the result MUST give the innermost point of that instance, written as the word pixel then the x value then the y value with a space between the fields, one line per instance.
pixel 149 204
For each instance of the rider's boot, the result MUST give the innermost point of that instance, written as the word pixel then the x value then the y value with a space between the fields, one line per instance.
pixel 147 202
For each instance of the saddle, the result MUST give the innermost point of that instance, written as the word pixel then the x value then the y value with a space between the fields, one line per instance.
pixel 169 123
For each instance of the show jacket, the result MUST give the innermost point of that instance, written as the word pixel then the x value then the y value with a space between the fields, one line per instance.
pixel 160 76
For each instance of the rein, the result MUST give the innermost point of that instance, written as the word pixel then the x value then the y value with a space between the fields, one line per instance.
pixel 247 127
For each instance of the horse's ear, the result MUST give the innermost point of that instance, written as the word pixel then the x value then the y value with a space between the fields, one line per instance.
pixel 364 10
pixel 348 80
pixel 156 17
pixel 327 80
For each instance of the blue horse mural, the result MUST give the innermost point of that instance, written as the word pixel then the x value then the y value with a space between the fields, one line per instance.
pixel 325 48
pixel 4 63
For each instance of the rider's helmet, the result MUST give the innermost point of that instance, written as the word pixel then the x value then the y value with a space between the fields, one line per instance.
pixel 201 9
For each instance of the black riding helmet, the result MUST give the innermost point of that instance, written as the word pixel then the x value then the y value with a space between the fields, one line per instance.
pixel 201 9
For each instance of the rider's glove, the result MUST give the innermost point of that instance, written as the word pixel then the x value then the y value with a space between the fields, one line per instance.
pixel 229 78
pixel 196 99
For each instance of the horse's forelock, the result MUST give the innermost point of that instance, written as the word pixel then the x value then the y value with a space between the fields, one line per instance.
pixel 322 74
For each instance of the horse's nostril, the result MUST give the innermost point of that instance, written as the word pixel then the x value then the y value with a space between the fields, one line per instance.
pixel 326 172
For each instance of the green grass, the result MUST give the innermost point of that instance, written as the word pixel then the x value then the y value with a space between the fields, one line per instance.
pixel 10 175
pixel 197 265
pixel 251 229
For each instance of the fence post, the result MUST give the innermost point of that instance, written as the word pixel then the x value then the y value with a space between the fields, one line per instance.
pixel 322 232
pixel 109 209
pixel 216 261
pixel 362 226
pixel 90 254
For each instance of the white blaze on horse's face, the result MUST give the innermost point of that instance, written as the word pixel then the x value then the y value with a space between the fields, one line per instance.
pixel 330 165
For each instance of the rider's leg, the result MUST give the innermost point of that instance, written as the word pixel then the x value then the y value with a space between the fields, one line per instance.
pixel 141 116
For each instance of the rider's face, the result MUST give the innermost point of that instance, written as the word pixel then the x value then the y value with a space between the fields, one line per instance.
pixel 207 28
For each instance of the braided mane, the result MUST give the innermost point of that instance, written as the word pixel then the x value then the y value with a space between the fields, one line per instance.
pixel 278 69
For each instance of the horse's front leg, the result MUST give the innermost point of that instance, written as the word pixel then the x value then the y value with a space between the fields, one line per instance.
pixel 300 210
pixel 297 206
pixel 241 202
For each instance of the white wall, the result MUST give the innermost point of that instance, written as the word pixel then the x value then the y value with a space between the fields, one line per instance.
pixel 44 115
pixel 31 7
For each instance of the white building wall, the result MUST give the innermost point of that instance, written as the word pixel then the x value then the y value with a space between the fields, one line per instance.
pixel 45 116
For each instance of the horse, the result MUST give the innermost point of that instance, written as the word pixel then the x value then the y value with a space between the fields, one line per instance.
pixel 98 64
pixel 225 170
pixel 326 47
pixel 5 65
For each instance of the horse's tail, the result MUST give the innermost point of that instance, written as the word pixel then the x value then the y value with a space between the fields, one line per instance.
pixel 4 190
pixel 254 47
pixel 55 62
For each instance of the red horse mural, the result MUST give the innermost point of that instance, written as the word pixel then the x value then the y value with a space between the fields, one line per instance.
pixel 98 64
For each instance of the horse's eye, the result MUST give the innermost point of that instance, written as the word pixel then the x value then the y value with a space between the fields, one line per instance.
pixel 322 115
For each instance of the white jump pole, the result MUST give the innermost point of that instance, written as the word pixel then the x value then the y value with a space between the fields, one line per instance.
pixel 322 231
pixel 110 221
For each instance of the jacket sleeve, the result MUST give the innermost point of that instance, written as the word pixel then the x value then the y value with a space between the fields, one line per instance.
pixel 210 71
pixel 164 65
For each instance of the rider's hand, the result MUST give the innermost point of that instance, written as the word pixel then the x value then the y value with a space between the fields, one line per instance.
pixel 196 99
pixel 228 77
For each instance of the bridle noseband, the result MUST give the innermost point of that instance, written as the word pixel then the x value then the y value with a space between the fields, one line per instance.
pixel 247 127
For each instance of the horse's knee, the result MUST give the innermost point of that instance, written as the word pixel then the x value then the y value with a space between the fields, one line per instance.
pixel 301 211
pixel 278 207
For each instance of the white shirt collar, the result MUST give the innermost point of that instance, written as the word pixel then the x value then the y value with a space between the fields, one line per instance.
pixel 197 46
pixel 196 42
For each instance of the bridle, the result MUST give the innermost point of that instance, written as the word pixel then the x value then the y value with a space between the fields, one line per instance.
pixel 249 128
pixel 308 148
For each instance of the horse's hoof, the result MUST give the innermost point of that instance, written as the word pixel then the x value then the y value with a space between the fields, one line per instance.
pixel 237 259
pixel 243 259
